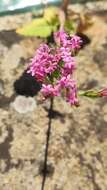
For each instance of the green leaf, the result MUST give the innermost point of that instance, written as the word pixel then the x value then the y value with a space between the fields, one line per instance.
pixel 69 26
pixel 50 13
pixel 89 93
pixel 56 74
pixel 61 63
pixel 51 16
pixel 38 27
pixel 55 24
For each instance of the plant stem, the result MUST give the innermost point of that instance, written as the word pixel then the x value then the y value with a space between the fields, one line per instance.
pixel 63 13
pixel 64 5
pixel 47 144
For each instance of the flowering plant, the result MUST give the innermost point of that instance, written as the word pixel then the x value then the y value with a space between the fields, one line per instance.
pixel 54 67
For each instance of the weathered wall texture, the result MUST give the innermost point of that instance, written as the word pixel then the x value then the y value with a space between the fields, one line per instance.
pixel 78 146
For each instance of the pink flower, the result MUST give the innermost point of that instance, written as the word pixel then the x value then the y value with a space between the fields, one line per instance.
pixel 43 49
pixel 103 92
pixel 43 63
pixel 66 82
pixel 70 86
pixel 72 96
pixel 60 38
pixel 69 61
pixel 68 68
pixel 64 53
pixel 49 90
pixel 75 42
pixel 71 42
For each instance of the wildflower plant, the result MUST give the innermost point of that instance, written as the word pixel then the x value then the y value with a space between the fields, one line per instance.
pixel 54 66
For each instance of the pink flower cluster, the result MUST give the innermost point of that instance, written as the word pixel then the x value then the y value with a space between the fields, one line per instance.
pixel 43 63
pixel 103 92
pixel 62 39
pixel 54 67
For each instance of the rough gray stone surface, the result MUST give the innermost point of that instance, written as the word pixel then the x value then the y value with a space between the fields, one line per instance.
pixel 77 157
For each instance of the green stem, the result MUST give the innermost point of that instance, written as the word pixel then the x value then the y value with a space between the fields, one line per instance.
pixel 89 93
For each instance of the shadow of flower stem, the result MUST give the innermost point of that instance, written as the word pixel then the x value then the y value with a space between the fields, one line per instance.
pixel 47 144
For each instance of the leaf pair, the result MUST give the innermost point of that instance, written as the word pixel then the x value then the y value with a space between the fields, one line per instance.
pixel 44 26
pixel 41 27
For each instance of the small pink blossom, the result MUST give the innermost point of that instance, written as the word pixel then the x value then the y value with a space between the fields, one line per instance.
pixel 75 42
pixel 103 92
pixel 49 90
pixel 71 42
pixel 72 96
pixel 66 82
pixel 60 38
pixel 68 68
pixel 43 49
pixel 43 63
pixel 70 87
